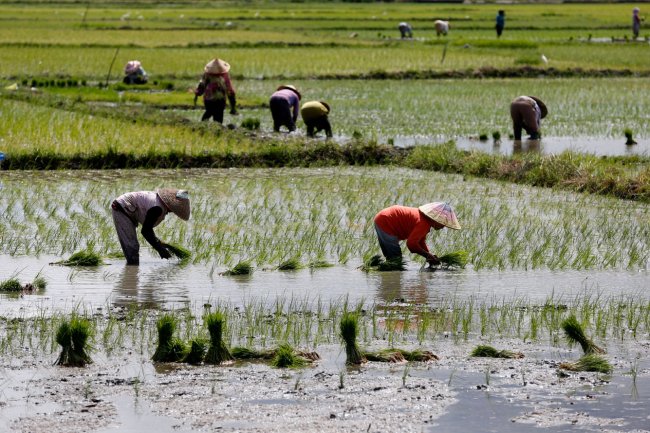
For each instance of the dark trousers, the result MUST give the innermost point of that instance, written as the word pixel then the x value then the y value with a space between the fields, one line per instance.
pixel 281 112
pixel 214 108
pixel 499 30
pixel 319 124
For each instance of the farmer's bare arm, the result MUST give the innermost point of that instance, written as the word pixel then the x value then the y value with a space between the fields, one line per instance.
pixel 147 231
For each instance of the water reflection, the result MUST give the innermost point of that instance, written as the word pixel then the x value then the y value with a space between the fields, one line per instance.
pixel 149 287
pixel 526 146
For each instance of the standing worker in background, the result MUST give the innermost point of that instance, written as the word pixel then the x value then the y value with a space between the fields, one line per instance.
pixel 314 114
pixel 527 113
pixel 148 208
pixel 636 22
pixel 397 223
pixel 285 104
pixel 405 30
pixel 215 86
pixel 501 22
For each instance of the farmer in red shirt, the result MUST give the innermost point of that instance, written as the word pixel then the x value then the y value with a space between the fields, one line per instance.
pixel 397 223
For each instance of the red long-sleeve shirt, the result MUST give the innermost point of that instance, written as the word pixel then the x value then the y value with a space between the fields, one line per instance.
pixel 406 223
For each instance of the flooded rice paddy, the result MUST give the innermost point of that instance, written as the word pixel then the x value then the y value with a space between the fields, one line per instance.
pixel 535 255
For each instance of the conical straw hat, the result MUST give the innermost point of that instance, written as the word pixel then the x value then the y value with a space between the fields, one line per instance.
pixel 441 213
pixel 216 66
pixel 177 200
pixel 541 105
pixel 292 88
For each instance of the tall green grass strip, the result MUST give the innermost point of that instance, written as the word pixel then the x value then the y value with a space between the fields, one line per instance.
pixel 576 334
pixel 218 351
pixel 349 330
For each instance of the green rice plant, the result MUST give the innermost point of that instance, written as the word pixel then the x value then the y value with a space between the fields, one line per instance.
pixel 180 252
pixel 384 355
pixel 454 259
pixel 496 136
pixel 40 283
pixel 246 353
pixel 349 330
pixel 241 268
pixel 392 264
pixel 483 137
pixel 485 351
pixel 575 334
pixel 251 123
pixel 170 349
pixel 629 140
pixel 73 338
pixel 418 355
pixel 197 352
pixel 286 357
pixel 589 362
pixel 318 264
pixel 292 264
pixel 218 352
pixel 11 285
pixel 82 258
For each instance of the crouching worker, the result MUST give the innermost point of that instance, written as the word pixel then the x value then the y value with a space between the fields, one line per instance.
pixel 405 30
pixel 134 73
pixel 314 114
pixel 215 86
pixel 284 104
pixel 397 223
pixel 148 208
pixel 527 113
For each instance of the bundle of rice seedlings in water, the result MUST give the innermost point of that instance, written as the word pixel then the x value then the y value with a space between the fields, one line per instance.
pixel 290 265
pixel 629 140
pixel 418 355
pixel 456 259
pixel 317 264
pixel 286 357
pixel 73 338
pixel 575 334
pixel 11 285
pixel 385 355
pixel 178 251
pixel 484 351
pixel 590 362
pixel 372 263
pixel 218 351
pixel 245 353
pixel 251 123
pixel 349 328
pixel 241 268
pixel 169 349
pixel 82 258
pixel 40 283
pixel 392 264
pixel 198 348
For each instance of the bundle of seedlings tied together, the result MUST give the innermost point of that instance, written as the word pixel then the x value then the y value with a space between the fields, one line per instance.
pixel 73 338
pixel 85 257
pixel 485 351
pixel 591 359
pixel 13 285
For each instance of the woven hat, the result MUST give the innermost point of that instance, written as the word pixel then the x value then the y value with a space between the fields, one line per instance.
pixel 329 110
pixel 177 200
pixel 441 213
pixel 216 66
pixel 541 105
pixel 292 88
pixel 132 66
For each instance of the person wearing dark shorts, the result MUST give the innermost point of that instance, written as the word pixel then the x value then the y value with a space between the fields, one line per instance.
pixel 315 115
pixel 285 104
pixel 527 113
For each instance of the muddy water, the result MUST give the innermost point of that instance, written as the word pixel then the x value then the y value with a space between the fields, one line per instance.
pixel 162 284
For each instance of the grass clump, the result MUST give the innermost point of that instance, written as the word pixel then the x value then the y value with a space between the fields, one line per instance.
pixel 292 264
pixel 218 351
pixel 198 348
pixel 629 140
pixel 318 264
pixel 349 327
pixel 575 334
pixel 179 251
pixel 82 258
pixel 484 351
pixel 246 353
pixel 456 259
pixel 590 362
pixel 169 349
pixel 251 123
pixel 11 285
pixel 496 136
pixel 73 338
pixel 39 283
pixel 385 355
pixel 241 268
pixel 286 357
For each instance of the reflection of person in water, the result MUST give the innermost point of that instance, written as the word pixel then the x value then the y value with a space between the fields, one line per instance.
pixel 146 290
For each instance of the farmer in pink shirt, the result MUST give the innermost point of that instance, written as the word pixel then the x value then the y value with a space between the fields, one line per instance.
pixel 397 223
pixel 285 105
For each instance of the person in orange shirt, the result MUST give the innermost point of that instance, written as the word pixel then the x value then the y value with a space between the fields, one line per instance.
pixel 397 223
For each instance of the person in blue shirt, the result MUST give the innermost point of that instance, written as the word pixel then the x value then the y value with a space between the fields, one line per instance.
pixel 501 22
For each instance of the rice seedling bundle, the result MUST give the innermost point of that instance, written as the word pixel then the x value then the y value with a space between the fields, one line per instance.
pixel 455 259
pixel 377 263
pixel 246 353
pixel 484 351
pixel 82 258
pixel 241 268
pixel 11 285
pixel 575 334
pixel 290 265
pixel 40 283
pixel 316 264
pixel 418 355
pixel 179 251
pixel 73 338
pixel 286 357
pixel 385 355
pixel 218 352
pixel 589 362
pixel 169 349
pixel 349 327
pixel 198 348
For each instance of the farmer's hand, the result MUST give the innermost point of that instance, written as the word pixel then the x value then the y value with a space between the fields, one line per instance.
pixel 164 253
pixel 432 260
